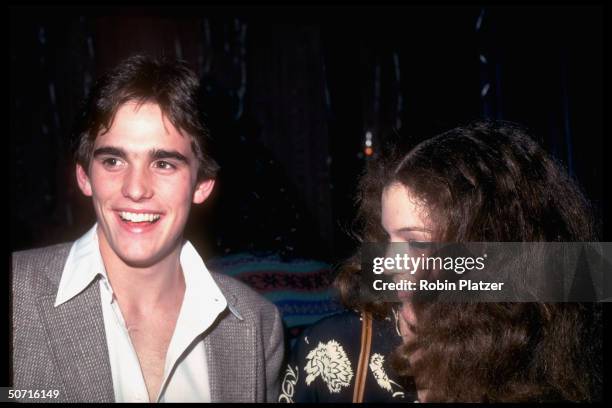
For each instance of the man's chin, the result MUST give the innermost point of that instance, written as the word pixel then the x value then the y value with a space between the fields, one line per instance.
pixel 140 259
pixel 139 262
pixel 145 257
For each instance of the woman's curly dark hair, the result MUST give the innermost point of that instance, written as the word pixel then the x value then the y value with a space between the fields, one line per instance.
pixel 489 181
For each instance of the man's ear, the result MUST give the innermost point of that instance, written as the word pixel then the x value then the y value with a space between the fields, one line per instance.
pixel 83 180
pixel 203 190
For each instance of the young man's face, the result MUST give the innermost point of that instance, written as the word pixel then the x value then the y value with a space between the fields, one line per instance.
pixel 142 179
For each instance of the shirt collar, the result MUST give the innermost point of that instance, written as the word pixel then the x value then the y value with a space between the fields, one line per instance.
pixel 203 302
pixel 201 290
pixel 84 264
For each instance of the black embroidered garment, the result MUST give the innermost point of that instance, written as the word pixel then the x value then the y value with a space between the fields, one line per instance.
pixel 324 360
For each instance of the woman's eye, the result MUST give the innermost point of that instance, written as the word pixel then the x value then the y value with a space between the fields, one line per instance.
pixel 419 244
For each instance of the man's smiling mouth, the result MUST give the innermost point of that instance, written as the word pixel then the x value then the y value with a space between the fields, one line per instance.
pixel 139 217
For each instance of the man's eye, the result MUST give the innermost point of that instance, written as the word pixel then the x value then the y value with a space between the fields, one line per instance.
pixel 164 165
pixel 111 162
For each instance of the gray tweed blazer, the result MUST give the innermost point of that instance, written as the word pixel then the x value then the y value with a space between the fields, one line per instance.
pixel 64 348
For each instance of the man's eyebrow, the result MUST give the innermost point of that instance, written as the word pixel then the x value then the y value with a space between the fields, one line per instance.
pixel 158 154
pixel 111 151
pixel 155 154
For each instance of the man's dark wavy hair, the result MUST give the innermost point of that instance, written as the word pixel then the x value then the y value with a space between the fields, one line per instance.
pixel 488 181
pixel 144 79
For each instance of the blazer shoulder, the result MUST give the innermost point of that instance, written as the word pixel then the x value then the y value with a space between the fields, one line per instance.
pixel 41 266
pixel 40 253
pixel 243 296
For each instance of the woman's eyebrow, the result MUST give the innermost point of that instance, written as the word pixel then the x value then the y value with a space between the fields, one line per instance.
pixel 411 229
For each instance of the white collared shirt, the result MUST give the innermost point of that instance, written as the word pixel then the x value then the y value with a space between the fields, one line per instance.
pixel 185 377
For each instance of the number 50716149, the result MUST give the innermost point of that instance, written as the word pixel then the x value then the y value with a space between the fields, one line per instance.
pixel 33 394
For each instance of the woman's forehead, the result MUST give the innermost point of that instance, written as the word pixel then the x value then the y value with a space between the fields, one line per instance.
pixel 401 208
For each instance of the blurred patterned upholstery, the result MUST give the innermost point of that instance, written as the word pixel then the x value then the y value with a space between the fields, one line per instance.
pixel 300 288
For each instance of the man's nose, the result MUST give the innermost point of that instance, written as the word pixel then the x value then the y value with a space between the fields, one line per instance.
pixel 137 184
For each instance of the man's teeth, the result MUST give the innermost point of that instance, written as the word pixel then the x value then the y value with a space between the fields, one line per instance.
pixel 133 217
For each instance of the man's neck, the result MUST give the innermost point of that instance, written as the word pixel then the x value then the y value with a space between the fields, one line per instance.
pixel 143 289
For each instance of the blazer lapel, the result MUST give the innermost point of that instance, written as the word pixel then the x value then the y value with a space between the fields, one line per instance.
pixel 78 345
pixel 230 351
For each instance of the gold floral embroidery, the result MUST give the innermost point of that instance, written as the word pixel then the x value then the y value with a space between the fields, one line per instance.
pixel 288 386
pixel 329 361
pixel 383 380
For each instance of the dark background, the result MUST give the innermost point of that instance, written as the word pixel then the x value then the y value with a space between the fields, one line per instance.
pixel 291 93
